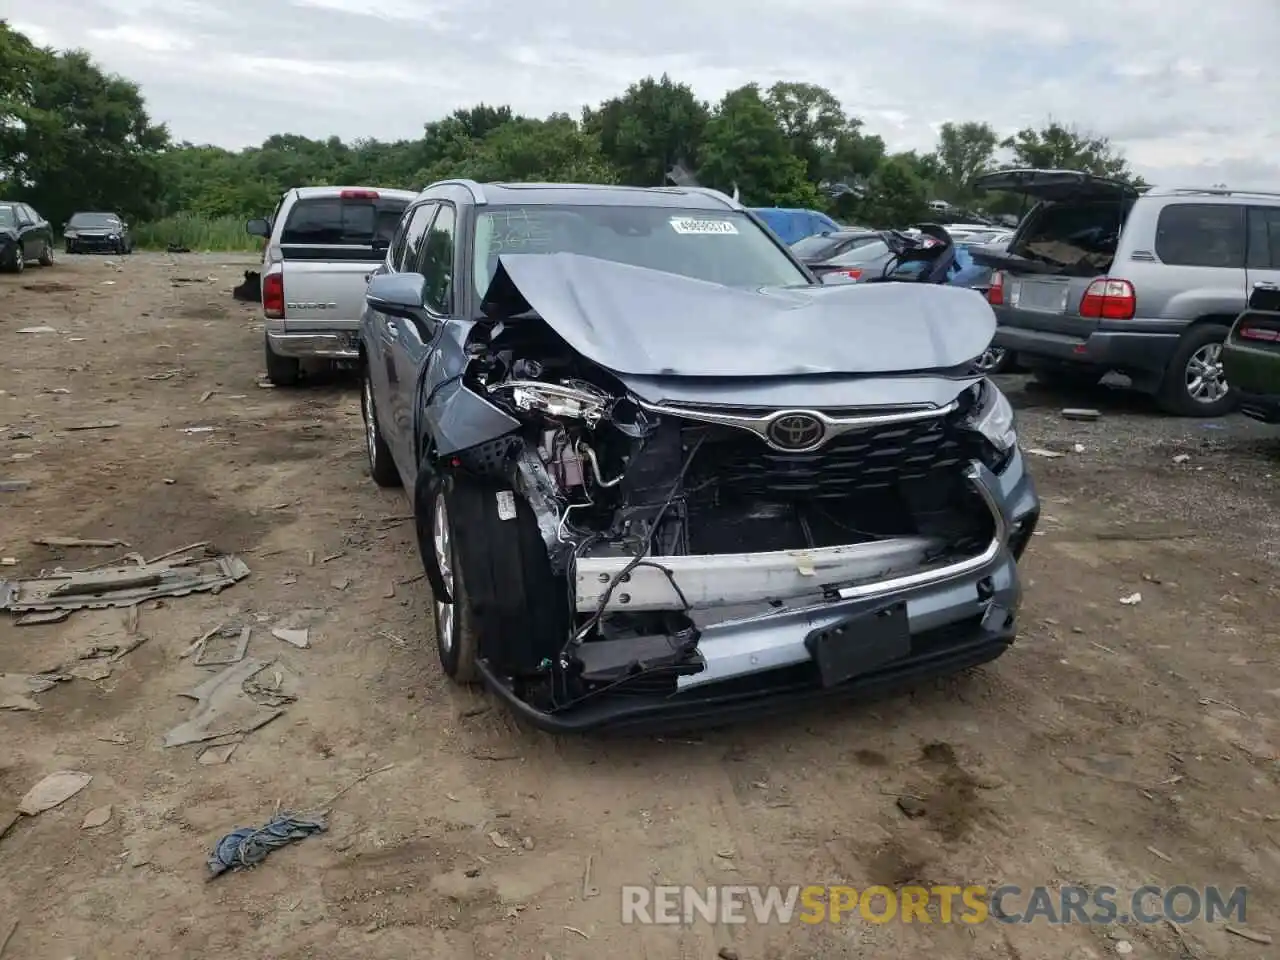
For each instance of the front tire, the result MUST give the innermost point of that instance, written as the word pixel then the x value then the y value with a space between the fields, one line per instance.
pixel 68 248
pixel 1194 384
pixel 46 255
pixel 281 371
pixel 456 623
pixel 509 606
pixel 381 465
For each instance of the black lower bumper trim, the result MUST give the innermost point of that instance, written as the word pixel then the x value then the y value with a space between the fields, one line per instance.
pixel 706 707
pixel 1261 407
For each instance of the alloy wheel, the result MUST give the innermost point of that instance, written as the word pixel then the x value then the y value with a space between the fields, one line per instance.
pixel 1205 379
pixel 370 423
pixel 443 546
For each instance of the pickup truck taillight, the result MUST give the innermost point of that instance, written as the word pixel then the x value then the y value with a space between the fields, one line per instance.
pixel 995 292
pixel 273 295
pixel 1109 299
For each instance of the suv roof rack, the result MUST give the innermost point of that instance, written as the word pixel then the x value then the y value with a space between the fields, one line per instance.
pixel 477 191
pixel 1215 192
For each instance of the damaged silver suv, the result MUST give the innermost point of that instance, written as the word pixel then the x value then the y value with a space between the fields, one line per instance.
pixel 662 475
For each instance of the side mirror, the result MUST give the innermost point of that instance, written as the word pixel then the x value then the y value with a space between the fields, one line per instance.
pixel 397 294
pixel 258 228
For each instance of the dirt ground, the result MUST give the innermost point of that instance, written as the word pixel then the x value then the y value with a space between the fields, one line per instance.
pixel 1116 744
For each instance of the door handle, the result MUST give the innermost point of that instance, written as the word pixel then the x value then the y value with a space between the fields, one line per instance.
pixel 393 331
pixel 1266 285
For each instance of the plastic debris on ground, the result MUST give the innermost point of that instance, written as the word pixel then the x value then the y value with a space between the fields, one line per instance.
pixel 126 584
pixel 16 689
pixel 227 707
pixel 250 846
pixel 55 789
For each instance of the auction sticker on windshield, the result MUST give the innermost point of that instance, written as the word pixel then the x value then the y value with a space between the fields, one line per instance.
pixel 701 225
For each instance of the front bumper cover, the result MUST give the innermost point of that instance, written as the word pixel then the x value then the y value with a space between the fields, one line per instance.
pixel 960 614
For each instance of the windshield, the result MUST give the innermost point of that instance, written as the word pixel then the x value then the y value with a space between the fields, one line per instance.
pixel 94 220
pixel 7 217
pixel 719 246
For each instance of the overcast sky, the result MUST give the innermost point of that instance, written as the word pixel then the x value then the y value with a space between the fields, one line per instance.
pixel 1184 88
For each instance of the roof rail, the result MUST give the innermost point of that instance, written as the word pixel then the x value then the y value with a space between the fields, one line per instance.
pixel 1222 192
pixel 709 192
pixel 477 191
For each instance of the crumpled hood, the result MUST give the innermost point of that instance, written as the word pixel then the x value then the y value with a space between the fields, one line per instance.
pixel 632 320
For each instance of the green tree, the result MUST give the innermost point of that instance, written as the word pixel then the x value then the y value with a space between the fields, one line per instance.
pixel 554 150
pixel 964 151
pixel 652 126
pixel 744 146
pixel 1060 147
pixel 72 136
pixel 897 196
pixel 812 120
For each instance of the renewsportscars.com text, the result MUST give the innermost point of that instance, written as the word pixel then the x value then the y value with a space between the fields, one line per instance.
pixel 938 904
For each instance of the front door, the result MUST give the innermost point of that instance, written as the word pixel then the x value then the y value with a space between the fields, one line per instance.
pixel 417 340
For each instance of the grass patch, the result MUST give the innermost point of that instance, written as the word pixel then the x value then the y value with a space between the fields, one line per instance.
pixel 220 234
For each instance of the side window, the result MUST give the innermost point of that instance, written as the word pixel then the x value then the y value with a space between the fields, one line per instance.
pixel 24 215
pixel 395 253
pixel 437 261
pixel 1264 238
pixel 1201 235
pixel 414 235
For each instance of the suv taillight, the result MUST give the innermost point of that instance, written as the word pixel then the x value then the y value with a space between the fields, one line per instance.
pixel 273 295
pixel 359 195
pixel 1265 334
pixel 1109 299
pixel 995 292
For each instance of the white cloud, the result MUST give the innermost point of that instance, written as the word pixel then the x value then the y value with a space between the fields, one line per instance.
pixel 141 37
pixel 1186 94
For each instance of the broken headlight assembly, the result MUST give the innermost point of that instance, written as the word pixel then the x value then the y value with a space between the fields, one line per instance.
pixel 991 417
pixel 579 401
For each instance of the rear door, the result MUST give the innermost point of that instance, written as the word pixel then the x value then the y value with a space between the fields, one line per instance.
pixel 1263 262
pixel 1067 241
pixel 330 245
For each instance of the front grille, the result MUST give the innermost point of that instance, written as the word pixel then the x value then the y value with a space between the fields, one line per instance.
pixel 877 458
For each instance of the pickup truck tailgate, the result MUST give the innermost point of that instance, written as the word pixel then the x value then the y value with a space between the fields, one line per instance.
pixel 321 293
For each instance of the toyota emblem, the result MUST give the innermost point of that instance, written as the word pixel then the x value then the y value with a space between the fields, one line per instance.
pixel 795 431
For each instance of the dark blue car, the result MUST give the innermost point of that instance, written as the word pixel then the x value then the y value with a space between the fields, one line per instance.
pixel 792 224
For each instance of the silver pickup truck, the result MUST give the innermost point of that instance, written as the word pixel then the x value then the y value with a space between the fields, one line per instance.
pixel 322 244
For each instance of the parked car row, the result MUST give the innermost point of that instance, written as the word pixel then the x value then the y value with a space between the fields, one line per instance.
pixel 1100 277
pixel 27 238
pixel 655 478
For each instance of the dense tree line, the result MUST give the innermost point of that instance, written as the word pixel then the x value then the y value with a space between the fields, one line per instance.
pixel 74 137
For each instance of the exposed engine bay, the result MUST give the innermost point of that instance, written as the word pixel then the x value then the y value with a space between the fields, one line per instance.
pixel 630 485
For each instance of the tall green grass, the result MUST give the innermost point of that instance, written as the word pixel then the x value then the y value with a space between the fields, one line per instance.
pixel 220 234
